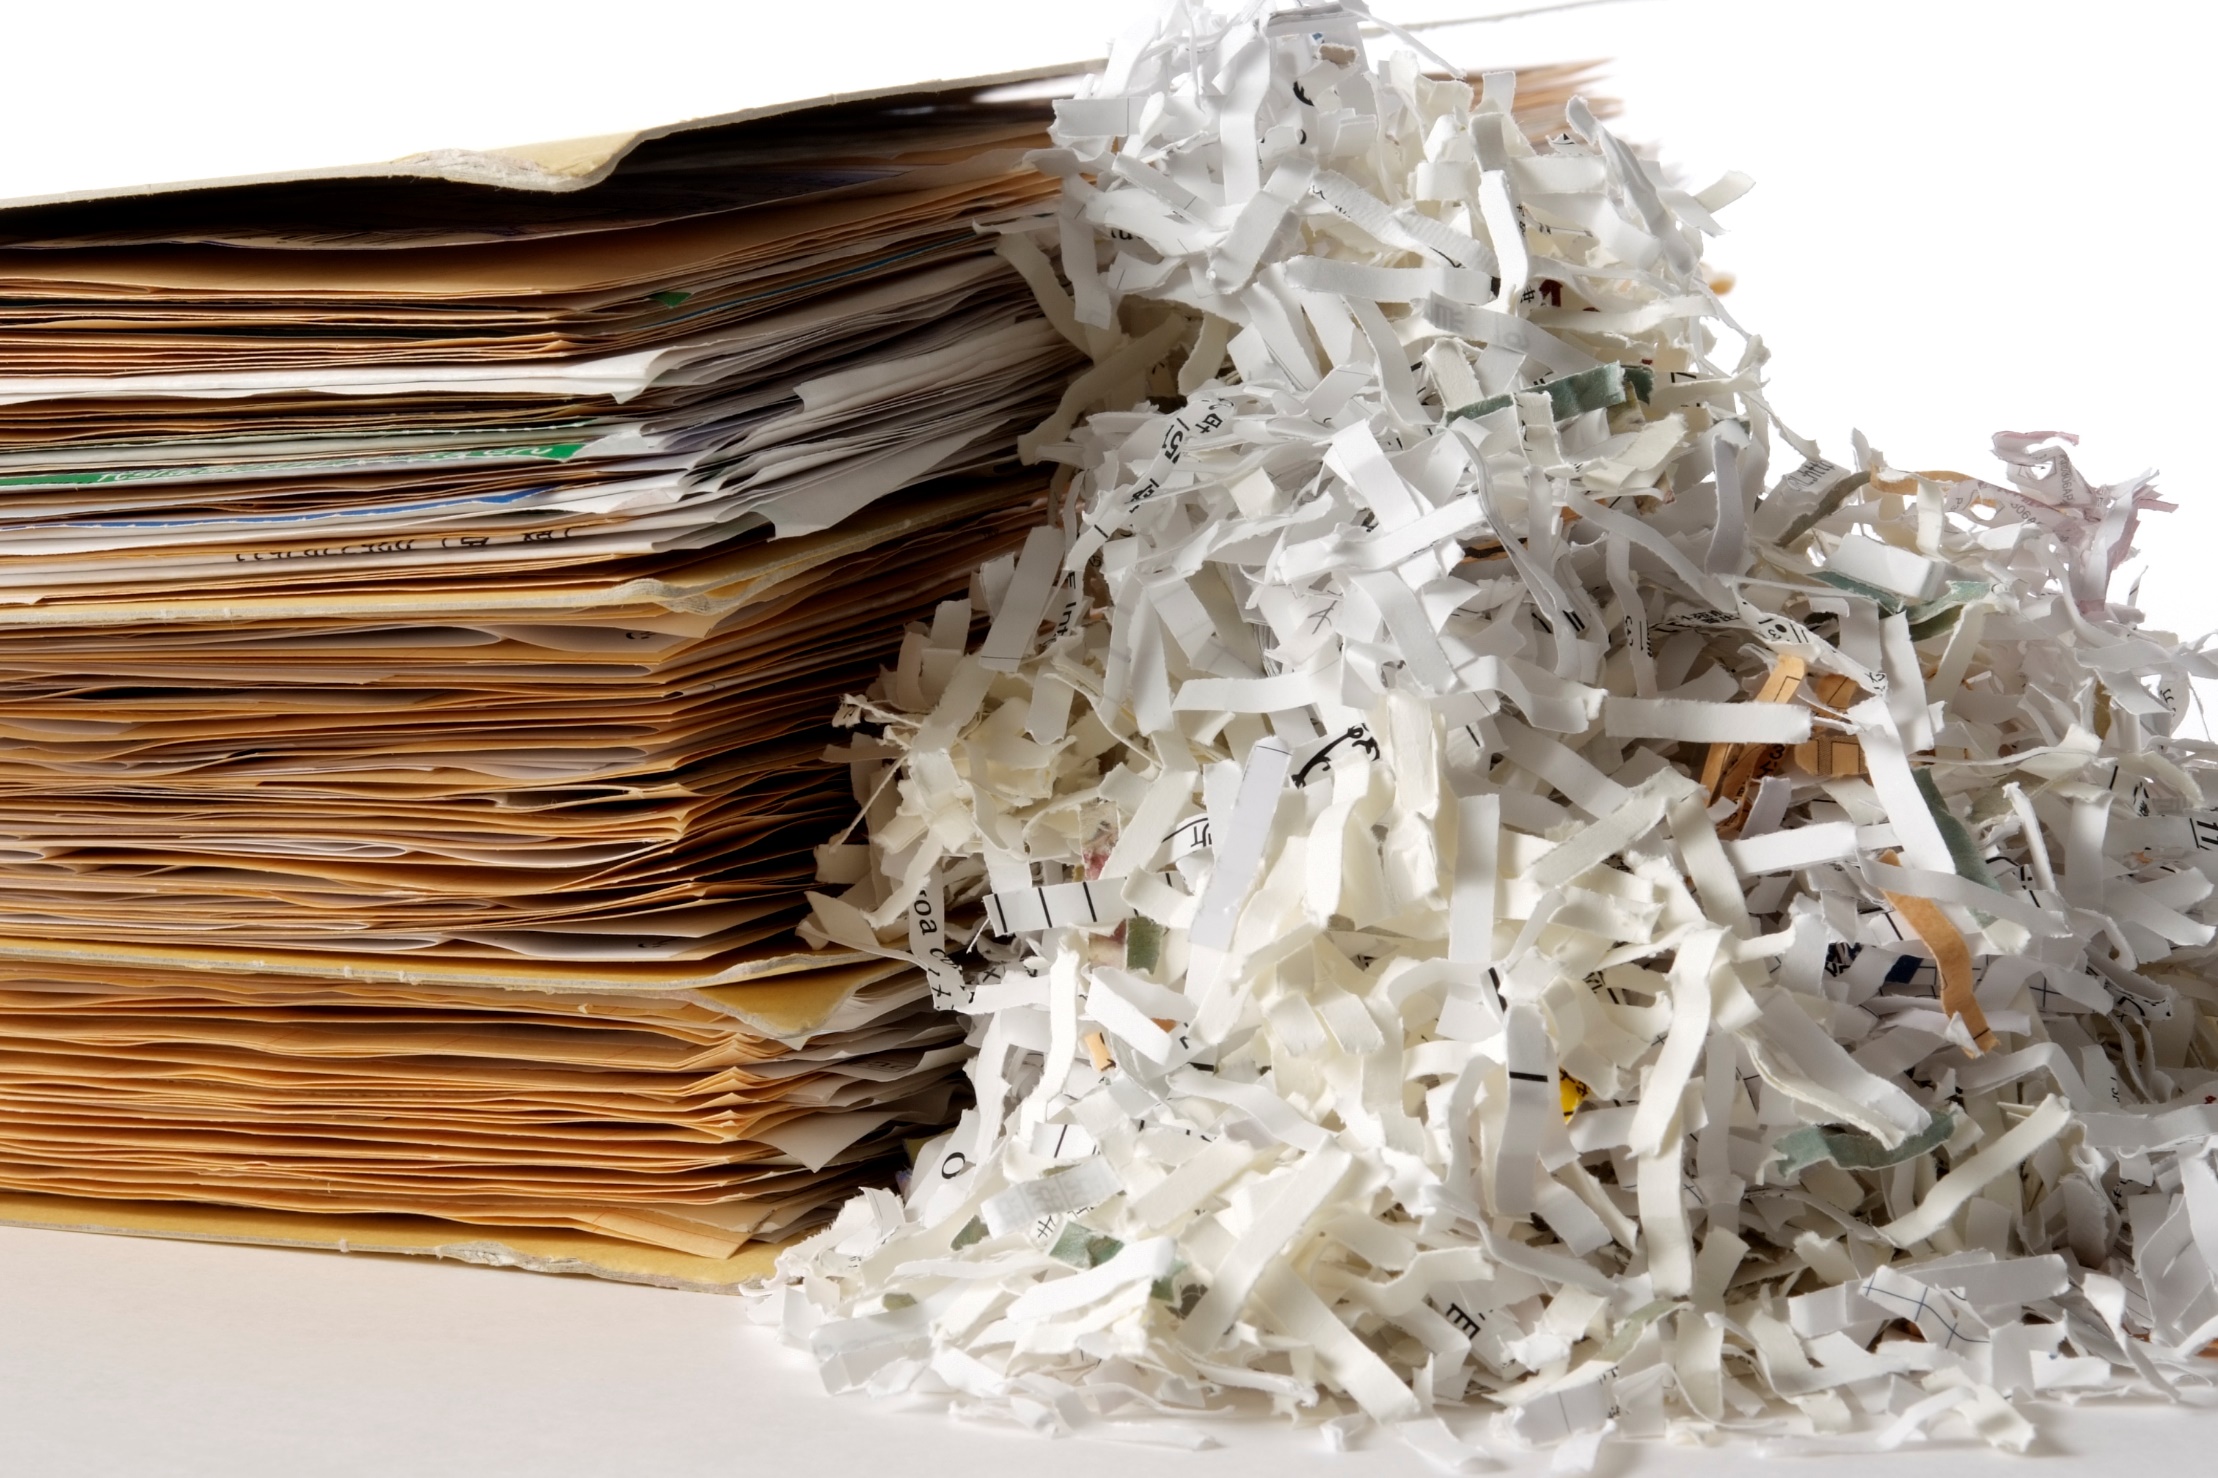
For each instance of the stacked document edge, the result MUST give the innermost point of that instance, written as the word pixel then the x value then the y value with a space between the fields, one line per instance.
pixel 421 605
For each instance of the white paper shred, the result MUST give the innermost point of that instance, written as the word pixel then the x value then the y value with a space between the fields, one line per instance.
pixel 1489 875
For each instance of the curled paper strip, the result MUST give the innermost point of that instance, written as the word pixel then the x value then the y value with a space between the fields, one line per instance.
pixel 1476 892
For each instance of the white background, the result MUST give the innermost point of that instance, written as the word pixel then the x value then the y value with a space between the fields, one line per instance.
pixel 1970 217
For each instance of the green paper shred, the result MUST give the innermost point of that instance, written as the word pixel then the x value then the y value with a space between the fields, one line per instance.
pixel 1852 1149
pixel 1889 603
pixel 1937 616
pixel 1083 1247
pixel 1143 943
pixel 1588 390
pixel 1962 850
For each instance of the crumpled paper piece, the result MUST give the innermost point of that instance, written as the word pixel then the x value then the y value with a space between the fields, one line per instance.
pixel 1485 872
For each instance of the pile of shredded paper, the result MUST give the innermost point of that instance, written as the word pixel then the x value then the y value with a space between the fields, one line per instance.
pixel 1478 895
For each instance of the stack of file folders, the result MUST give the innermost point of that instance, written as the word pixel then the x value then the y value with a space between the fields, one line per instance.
pixel 423 593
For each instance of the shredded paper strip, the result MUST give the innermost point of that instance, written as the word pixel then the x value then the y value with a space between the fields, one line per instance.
pixel 1498 893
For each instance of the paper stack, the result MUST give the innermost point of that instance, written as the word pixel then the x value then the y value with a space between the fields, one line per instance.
pixel 422 595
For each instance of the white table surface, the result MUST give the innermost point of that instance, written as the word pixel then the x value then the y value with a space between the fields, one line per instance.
pixel 1971 216
pixel 124 1356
